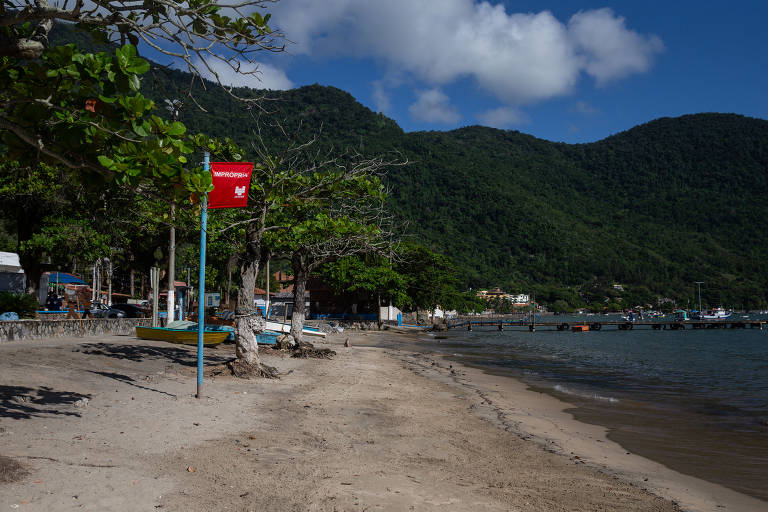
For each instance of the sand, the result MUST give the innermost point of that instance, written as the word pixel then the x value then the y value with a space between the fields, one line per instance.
pixel 111 423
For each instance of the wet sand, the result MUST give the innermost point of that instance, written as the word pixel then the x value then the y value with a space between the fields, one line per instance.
pixel 112 424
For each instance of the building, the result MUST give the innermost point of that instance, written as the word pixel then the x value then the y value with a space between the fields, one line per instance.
pixel 12 278
pixel 520 298
pixel 517 299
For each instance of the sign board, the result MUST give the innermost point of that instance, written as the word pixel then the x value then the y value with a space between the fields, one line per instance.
pixel 231 181
pixel 212 300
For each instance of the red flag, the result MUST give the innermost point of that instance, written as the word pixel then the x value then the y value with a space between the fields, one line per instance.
pixel 231 181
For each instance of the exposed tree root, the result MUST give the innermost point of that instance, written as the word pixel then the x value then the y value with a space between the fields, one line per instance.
pixel 11 471
pixel 306 350
pixel 243 370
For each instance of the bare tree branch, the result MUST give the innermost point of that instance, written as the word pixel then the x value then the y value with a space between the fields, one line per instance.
pixel 202 34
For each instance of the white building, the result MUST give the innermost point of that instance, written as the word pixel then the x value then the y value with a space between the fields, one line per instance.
pixel 12 278
pixel 520 298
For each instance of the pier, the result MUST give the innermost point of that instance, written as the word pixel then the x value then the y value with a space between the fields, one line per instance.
pixel 597 325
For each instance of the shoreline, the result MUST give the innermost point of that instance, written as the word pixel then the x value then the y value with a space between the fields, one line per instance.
pixel 539 417
pixel 376 427
pixel 633 386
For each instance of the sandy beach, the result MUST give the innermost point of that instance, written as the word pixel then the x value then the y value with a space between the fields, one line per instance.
pixel 112 424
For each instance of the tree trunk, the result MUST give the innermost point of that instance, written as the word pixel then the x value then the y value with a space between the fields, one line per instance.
pixel 247 349
pixel 246 323
pixel 230 266
pixel 300 275
pixel 33 271
pixel 30 263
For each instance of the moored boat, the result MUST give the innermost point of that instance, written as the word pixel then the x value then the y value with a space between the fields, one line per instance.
pixel 716 314
pixel 181 336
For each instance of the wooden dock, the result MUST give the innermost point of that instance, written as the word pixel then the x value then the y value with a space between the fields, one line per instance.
pixel 622 325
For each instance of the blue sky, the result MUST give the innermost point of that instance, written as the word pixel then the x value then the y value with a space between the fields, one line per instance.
pixel 560 70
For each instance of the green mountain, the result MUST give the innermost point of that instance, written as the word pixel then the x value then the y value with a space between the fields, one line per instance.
pixel 655 208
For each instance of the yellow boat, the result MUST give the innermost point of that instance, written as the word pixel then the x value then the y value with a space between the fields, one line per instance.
pixel 182 336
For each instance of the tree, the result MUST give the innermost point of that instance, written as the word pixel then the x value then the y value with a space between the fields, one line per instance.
pixel 371 273
pixel 320 239
pixel 29 195
pixel 84 110
pixel 287 188
pixel 431 277
pixel 63 221
pixel 196 32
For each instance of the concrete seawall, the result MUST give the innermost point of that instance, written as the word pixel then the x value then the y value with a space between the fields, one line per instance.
pixel 38 329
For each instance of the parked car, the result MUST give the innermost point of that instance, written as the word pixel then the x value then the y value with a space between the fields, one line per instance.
pixel 104 311
pixel 131 310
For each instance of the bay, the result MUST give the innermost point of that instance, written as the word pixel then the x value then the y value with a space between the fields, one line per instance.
pixel 694 400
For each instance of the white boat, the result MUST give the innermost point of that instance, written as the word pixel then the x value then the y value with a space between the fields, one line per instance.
pixel 281 327
pixel 716 314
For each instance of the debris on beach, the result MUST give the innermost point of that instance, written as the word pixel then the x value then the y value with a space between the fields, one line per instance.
pixel 11 470
pixel 243 370
pixel 305 350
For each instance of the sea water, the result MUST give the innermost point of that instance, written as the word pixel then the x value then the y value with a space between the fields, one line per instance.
pixel 694 400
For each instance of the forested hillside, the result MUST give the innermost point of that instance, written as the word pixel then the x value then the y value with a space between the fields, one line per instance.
pixel 654 208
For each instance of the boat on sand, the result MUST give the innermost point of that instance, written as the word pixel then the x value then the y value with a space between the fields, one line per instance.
pixel 181 336
pixel 281 327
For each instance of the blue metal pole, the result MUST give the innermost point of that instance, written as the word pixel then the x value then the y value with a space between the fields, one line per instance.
pixel 201 293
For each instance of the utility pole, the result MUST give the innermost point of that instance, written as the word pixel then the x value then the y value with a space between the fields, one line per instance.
pixel 172 267
pixel 93 284
pixel 154 279
pixel 109 293
pixel 266 299
pixel 699 283
pixel 201 291
pixel 174 108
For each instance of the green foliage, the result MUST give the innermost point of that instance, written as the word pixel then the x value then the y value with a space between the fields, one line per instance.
pixel 464 302
pixel 62 237
pixel 20 303
pixel 85 111
pixel 661 206
pixel 654 209
pixel 431 277
pixel 369 273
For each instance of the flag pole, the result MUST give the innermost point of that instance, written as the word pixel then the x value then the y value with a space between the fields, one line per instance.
pixel 201 291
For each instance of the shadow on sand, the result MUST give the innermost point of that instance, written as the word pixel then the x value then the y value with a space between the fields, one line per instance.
pixel 19 402
pixel 179 356
pixel 130 381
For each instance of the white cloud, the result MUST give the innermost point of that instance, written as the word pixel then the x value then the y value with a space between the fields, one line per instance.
pixel 380 97
pixel 518 57
pixel 584 108
pixel 433 106
pixel 503 117
pixel 610 50
pixel 267 77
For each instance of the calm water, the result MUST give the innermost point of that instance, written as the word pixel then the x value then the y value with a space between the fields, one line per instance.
pixel 695 400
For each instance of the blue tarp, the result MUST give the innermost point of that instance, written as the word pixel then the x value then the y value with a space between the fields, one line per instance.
pixel 63 278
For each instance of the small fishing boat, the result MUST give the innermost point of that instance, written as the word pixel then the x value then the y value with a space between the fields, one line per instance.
pixel 267 338
pixel 181 336
pixel 281 327
pixel 716 314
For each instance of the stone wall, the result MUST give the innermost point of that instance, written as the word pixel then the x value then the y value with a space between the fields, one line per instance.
pixel 40 329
